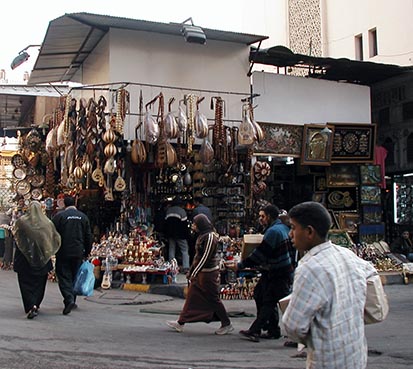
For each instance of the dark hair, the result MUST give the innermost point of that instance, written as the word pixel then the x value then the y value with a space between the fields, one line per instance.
pixel 199 199
pixel 311 213
pixel 69 201
pixel 272 211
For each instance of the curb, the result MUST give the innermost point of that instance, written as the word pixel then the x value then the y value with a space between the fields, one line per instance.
pixel 173 290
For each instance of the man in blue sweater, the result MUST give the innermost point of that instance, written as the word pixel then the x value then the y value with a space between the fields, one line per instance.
pixel 273 259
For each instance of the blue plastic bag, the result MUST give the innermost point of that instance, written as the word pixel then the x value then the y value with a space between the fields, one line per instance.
pixel 85 280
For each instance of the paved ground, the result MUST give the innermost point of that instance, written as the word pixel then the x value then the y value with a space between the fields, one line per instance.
pixel 126 330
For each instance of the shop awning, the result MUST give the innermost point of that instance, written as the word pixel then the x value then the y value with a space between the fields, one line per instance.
pixel 341 69
pixel 71 38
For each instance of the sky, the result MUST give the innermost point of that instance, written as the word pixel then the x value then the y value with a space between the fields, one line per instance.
pixel 25 22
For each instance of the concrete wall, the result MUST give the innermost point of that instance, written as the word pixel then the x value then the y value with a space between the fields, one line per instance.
pixel 392 20
pixel 298 100
pixel 157 63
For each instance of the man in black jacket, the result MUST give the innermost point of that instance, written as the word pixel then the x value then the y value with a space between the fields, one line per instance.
pixel 74 229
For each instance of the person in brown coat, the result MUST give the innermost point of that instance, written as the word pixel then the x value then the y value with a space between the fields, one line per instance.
pixel 202 302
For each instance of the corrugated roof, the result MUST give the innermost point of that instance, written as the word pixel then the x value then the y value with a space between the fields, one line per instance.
pixel 72 37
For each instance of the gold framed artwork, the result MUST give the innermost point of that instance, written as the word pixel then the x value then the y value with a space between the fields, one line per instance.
pixel 370 174
pixel 342 176
pixel 370 195
pixel 340 237
pixel 280 139
pixel 353 143
pixel 348 221
pixel 320 183
pixel 317 145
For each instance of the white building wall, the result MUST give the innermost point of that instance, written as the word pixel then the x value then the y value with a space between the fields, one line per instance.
pixel 297 100
pixel 157 63
pixel 342 21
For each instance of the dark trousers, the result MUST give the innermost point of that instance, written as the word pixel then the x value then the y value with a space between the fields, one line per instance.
pixel 66 270
pixel 32 288
pixel 268 291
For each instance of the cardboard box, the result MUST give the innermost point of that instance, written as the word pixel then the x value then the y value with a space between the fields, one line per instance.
pixel 283 303
pixel 249 243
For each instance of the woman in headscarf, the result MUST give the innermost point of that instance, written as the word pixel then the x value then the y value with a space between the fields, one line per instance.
pixel 202 302
pixel 37 241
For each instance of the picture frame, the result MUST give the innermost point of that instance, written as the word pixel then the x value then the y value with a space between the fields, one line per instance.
pixel 372 214
pixel 342 198
pixel 353 143
pixel 349 221
pixel 369 233
pixel 320 183
pixel 370 174
pixel 280 139
pixel 370 195
pixel 340 237
pixel 317 145
pixel 342 175
pixel 319 197
pixel 334 220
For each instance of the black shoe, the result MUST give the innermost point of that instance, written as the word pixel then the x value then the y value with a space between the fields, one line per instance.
pixel 254 337
pixel 270 336
pixel 68 308
pixel 32 313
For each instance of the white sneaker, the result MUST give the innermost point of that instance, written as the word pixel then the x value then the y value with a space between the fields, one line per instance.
pixel 224 330
pixel 175 325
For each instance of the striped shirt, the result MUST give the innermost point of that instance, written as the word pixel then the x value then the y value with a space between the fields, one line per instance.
pixel 326 309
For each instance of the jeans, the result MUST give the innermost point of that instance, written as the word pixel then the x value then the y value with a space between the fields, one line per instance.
pixel 183 247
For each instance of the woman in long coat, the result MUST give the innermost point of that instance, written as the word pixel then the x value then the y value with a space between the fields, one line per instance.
pixel 202 302
pixel 37 241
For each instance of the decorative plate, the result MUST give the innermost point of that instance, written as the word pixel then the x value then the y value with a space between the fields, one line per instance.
pixel 19 173
pixel 17 161
pixel 36 194
pixel 22 187
pixel 37 180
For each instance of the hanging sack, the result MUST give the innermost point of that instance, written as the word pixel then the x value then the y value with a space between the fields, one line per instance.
pixel 377 305
pixel 85 280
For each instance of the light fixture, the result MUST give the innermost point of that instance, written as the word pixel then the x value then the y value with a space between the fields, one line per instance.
pixel 192 33
pixel 22 57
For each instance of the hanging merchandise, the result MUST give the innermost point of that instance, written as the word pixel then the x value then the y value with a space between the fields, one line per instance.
pixel 218 132
pixel 206 152
pixel 122 107
pixel 190 106
pixel 151 126
pixel 182 119
pixel 165 153
pixel 171 125
pixel 246 132
pixel 138 152
pixel 201 122
pixel 258 131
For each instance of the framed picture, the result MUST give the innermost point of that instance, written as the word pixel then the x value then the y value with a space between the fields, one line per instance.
pixel 348 221
pixel 370 195
pixel 372 214
pixel 280 139
pixel 369 233
pixel 340 237
pixel 342 175
pixel 342 198
pixel 320 183
pixel 317 145
pixel 370 174
pixel 334 219
pixel 353 143
pixel 319 197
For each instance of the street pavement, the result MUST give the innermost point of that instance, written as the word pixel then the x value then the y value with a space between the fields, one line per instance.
pixel 126 329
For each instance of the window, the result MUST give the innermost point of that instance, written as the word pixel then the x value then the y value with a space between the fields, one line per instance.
pixel 408 110
pixel 373 43
pixel 359 46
